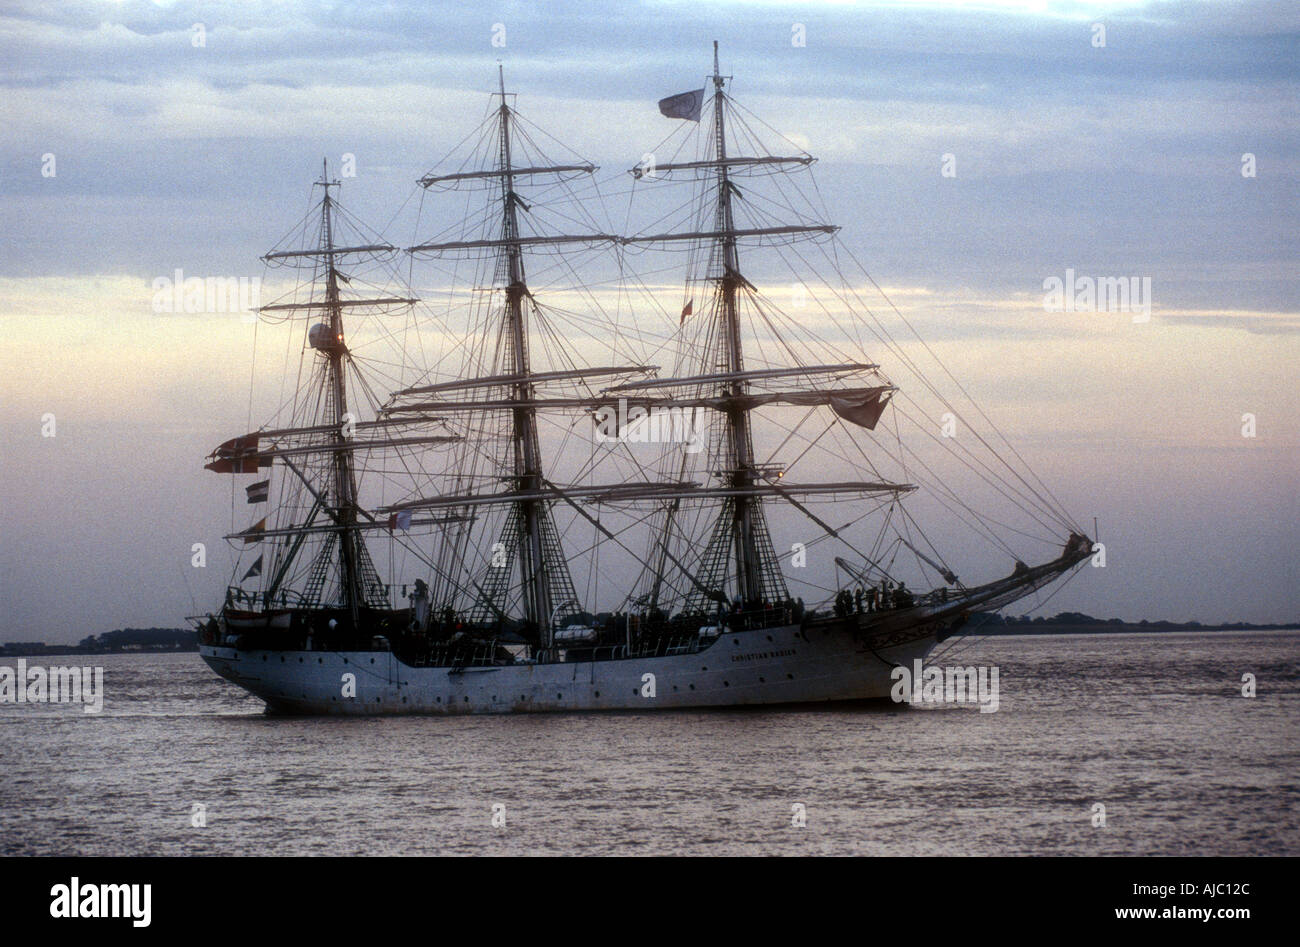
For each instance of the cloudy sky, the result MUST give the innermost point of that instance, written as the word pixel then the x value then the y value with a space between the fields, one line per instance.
pixel 143 137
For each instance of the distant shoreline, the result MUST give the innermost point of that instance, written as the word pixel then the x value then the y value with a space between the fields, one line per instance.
pixel 1017 628
pixel 72 650
pixel 121 641
pixel 179 641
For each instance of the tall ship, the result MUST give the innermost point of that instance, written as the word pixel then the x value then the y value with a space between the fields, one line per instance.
pixel 540 487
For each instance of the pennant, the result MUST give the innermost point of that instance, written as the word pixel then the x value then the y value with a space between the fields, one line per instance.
pixel 254 533
pixel 253 572
pixel 259 492
pixel 687 310
pixel 686 105
pixel 399 520
pixel 237 455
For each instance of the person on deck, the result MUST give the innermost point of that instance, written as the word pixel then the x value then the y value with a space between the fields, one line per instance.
pixel 902 598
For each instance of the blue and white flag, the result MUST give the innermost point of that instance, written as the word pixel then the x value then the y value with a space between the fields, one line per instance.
pixel 686 105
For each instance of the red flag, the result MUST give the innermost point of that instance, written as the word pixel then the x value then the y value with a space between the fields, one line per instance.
pixel 686 310
pixel 237 455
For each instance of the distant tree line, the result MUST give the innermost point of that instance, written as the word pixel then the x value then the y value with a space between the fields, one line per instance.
pixel 991 621
pixel 142 639
pixel 123 640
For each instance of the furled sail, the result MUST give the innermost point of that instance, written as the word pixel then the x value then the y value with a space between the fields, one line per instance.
pixel 861 406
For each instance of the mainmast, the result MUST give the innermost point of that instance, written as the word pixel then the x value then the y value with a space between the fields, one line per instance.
pixel 528 533
pixel 527 452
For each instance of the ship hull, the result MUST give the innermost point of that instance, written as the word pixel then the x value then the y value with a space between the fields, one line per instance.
pixel 781 665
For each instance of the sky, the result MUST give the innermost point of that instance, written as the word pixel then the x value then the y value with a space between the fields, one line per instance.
pixel 145 137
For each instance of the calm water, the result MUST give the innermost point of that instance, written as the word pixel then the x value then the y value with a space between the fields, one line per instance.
pixel 1151 726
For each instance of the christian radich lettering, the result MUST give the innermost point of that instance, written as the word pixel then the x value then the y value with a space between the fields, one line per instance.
pixel 54 685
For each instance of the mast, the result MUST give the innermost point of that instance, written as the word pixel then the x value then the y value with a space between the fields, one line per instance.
pixel 740 541
pixel 527 451
pixel 528 532
pixel 321 433
pixel 345 486
pixel 741 449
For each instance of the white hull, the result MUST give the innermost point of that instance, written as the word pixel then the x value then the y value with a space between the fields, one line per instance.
pixel 765 666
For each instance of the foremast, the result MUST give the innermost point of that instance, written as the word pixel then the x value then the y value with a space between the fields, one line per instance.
pixel 757 575
pixel 739 551
pixel 741 526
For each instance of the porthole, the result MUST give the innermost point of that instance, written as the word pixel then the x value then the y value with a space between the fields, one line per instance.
pixel 559 697
pixel 762 680
pixel 692 687
pixel 791 676
pixel 597 693
pixel 725 684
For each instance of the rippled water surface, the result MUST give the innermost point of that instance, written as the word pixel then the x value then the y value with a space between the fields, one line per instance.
pixel 1153 727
